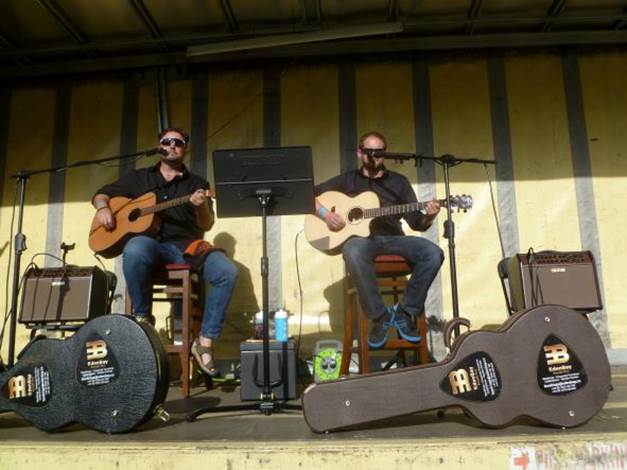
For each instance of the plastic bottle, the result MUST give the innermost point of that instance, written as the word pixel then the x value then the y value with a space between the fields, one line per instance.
pixel 280 325
pixel 258 333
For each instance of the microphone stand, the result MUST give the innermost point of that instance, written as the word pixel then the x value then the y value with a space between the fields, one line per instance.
pixel 20 239
pixel 446 161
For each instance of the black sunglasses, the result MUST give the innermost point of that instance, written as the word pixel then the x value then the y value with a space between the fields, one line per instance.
pixel 167 141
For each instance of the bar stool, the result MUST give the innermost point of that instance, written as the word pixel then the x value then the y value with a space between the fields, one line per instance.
pixel 172 283
pixel 392 272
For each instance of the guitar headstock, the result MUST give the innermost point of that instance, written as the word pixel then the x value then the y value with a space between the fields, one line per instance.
pixel 463 202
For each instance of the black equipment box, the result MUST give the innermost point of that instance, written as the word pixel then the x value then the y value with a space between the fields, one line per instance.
pixel 554 277
pixel 282 370
pixel 64 294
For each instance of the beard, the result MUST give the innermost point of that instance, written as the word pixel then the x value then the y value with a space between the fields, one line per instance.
pixel 372 164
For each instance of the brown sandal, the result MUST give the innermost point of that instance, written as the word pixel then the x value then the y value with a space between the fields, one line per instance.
pixel 198 350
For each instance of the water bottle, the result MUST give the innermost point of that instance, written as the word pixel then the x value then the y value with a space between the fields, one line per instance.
pixel 258 334
pixel 280 325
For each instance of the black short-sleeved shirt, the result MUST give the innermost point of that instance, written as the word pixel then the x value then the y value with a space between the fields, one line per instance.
pixel 392 189
pixel 179 224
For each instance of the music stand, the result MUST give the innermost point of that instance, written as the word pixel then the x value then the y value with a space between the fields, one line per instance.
pixel 262 181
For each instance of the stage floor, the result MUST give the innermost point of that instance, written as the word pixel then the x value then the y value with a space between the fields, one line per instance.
pixel 249 439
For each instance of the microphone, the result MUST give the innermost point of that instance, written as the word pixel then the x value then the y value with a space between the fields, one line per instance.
pixel 374 153
pixel 156 150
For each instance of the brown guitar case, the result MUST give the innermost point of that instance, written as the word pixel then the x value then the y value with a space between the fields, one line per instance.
pixel 547 363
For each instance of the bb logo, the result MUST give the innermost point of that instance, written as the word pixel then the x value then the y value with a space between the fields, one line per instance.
pixel 96 350
pixel 460 381
pixel 17 387
pixel 556 354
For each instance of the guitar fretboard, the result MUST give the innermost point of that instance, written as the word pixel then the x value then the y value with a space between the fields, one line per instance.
pixel 398 209
pixel 166 205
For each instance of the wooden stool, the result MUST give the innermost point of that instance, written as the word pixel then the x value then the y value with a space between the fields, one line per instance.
pixel 392 272
pixel 177 282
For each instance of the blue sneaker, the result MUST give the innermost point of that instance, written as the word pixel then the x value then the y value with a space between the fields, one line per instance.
pixel 405 324
pixel 378 335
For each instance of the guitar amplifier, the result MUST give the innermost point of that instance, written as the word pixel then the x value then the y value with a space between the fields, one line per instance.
pixel 65 294
pixel 554 277
pixel 282 369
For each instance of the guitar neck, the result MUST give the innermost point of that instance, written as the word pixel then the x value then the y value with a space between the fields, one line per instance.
pixel 165 205
pixel 398 209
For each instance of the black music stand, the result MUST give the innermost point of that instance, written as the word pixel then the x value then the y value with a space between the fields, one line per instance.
pixel 262 181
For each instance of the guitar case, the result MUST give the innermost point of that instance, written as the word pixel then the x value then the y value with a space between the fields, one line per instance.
pixel 547 363
pixel 111 375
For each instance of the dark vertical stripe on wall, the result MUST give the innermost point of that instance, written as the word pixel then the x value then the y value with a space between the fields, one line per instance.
pixel 423 130
pixel 128 144
pixel 5 111
pixel 501 137
pixel 272 107
pixel 200 116
pixel 584 190
pixel 272 138
pixel 348 117
pixel 56 193
pixel 128 132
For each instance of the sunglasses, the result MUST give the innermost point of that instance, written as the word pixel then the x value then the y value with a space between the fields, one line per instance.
pixel 172 140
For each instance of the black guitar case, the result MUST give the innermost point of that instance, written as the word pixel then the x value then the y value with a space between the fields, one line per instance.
pixel 111 375
pixel 547 363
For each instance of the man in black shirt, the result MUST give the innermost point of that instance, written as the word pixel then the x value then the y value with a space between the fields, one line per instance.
pixel 181 225
pixel 386 237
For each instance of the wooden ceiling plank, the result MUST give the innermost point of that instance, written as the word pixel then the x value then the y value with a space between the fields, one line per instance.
pixel 554 10
pixel 229 16
pixel 64 20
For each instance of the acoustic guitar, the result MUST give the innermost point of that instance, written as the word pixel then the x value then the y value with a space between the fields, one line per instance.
pixel 358 211
pixel 111 375
pixel 132 217
pixel 547 363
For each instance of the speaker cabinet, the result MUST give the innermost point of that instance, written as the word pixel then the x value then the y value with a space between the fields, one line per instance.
pixel 282 370
pixel 553 277
pixel 66 294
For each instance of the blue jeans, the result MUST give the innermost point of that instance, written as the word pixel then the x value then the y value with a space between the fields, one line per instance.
pixel 425 256
pixel 143 254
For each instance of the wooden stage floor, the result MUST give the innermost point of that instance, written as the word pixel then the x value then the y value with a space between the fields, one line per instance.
pixel 248 439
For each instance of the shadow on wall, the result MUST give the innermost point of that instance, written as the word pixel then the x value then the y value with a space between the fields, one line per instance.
pixel 244 303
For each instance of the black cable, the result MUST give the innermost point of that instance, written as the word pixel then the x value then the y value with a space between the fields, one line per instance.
pixel 110 293
pixel 496 217
pixel 43 253
pixel 121 164
pixel 19 289
pixel 300 293
pixel 7 312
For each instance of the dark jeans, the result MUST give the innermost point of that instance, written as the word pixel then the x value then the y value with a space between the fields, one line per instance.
pixel 425 256
pixel 142 254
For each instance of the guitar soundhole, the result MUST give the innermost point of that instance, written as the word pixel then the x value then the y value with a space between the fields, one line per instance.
pixel 134 215
pixel 355 215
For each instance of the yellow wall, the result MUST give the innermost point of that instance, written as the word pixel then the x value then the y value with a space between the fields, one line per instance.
pixel 313 89
pixel 605 99
pixel 461 122
pixel 460 102
pixel 29 147
pixel 236 121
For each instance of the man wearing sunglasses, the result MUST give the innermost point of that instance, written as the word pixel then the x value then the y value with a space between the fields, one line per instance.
pixel 180 226
pixel 386 237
